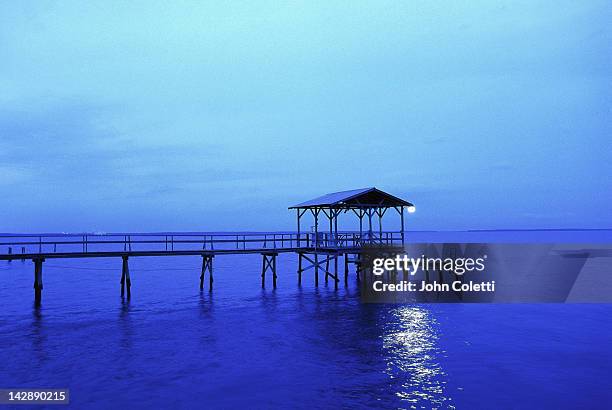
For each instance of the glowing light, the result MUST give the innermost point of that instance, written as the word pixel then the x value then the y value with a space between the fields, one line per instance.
pixel 411 209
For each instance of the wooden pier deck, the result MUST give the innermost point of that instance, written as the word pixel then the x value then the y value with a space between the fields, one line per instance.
pixel 317 251
pixel 88 245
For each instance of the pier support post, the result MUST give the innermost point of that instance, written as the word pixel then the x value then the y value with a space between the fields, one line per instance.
pixel 346 268
pixel 207 265
pixel 263 271
pixel 202 273
pixel 274 271
pixel 38 283
pixel 316 268
pixel 125 278
pixel 211 279
pixel 336 280
pixel 334 275
pixel 269 262
pixel 299 268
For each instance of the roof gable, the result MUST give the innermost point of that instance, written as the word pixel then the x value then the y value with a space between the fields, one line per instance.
pixel 364 197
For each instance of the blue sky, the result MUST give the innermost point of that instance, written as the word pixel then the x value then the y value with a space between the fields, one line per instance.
pixel 211 116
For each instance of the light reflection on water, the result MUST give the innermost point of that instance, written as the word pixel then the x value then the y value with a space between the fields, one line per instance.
pixel 412 353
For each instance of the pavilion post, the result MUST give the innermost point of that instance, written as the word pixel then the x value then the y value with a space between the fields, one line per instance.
pixel 402 222
pixel 298 227
pixel 316 227
pixel 360 224
pixel 380 230
pixel 369 210
pixel 336 227
pixel 316 245
pixel 331 227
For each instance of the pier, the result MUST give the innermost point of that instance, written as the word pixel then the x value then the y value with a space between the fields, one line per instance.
pixel 318 249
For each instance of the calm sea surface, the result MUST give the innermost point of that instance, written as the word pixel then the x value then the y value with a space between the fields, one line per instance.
pixel 173 346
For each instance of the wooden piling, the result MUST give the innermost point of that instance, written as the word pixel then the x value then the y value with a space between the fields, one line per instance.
pixel 122 281
pixel 346 268
pixel 336 271
pixel 299 268
pixel 38 283
pixel 274 271
pixel 316 268
pixel 126 282
pixel 268 262
pixel 263 271
pixel 203 273
pixel 207 265
pixel 211 279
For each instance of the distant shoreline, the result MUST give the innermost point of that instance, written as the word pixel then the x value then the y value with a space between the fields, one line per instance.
pixel 408 231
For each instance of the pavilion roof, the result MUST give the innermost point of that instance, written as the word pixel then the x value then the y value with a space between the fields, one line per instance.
pixel 355 198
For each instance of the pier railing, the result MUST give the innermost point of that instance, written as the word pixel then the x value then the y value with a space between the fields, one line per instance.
pixel 28 244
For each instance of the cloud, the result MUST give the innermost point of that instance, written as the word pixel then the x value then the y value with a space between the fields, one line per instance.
pixel 56 139
pixel 502 166
pixel 12 175
pixel 75 142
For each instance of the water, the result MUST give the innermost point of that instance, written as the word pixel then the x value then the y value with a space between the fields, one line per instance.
pixel 172 346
